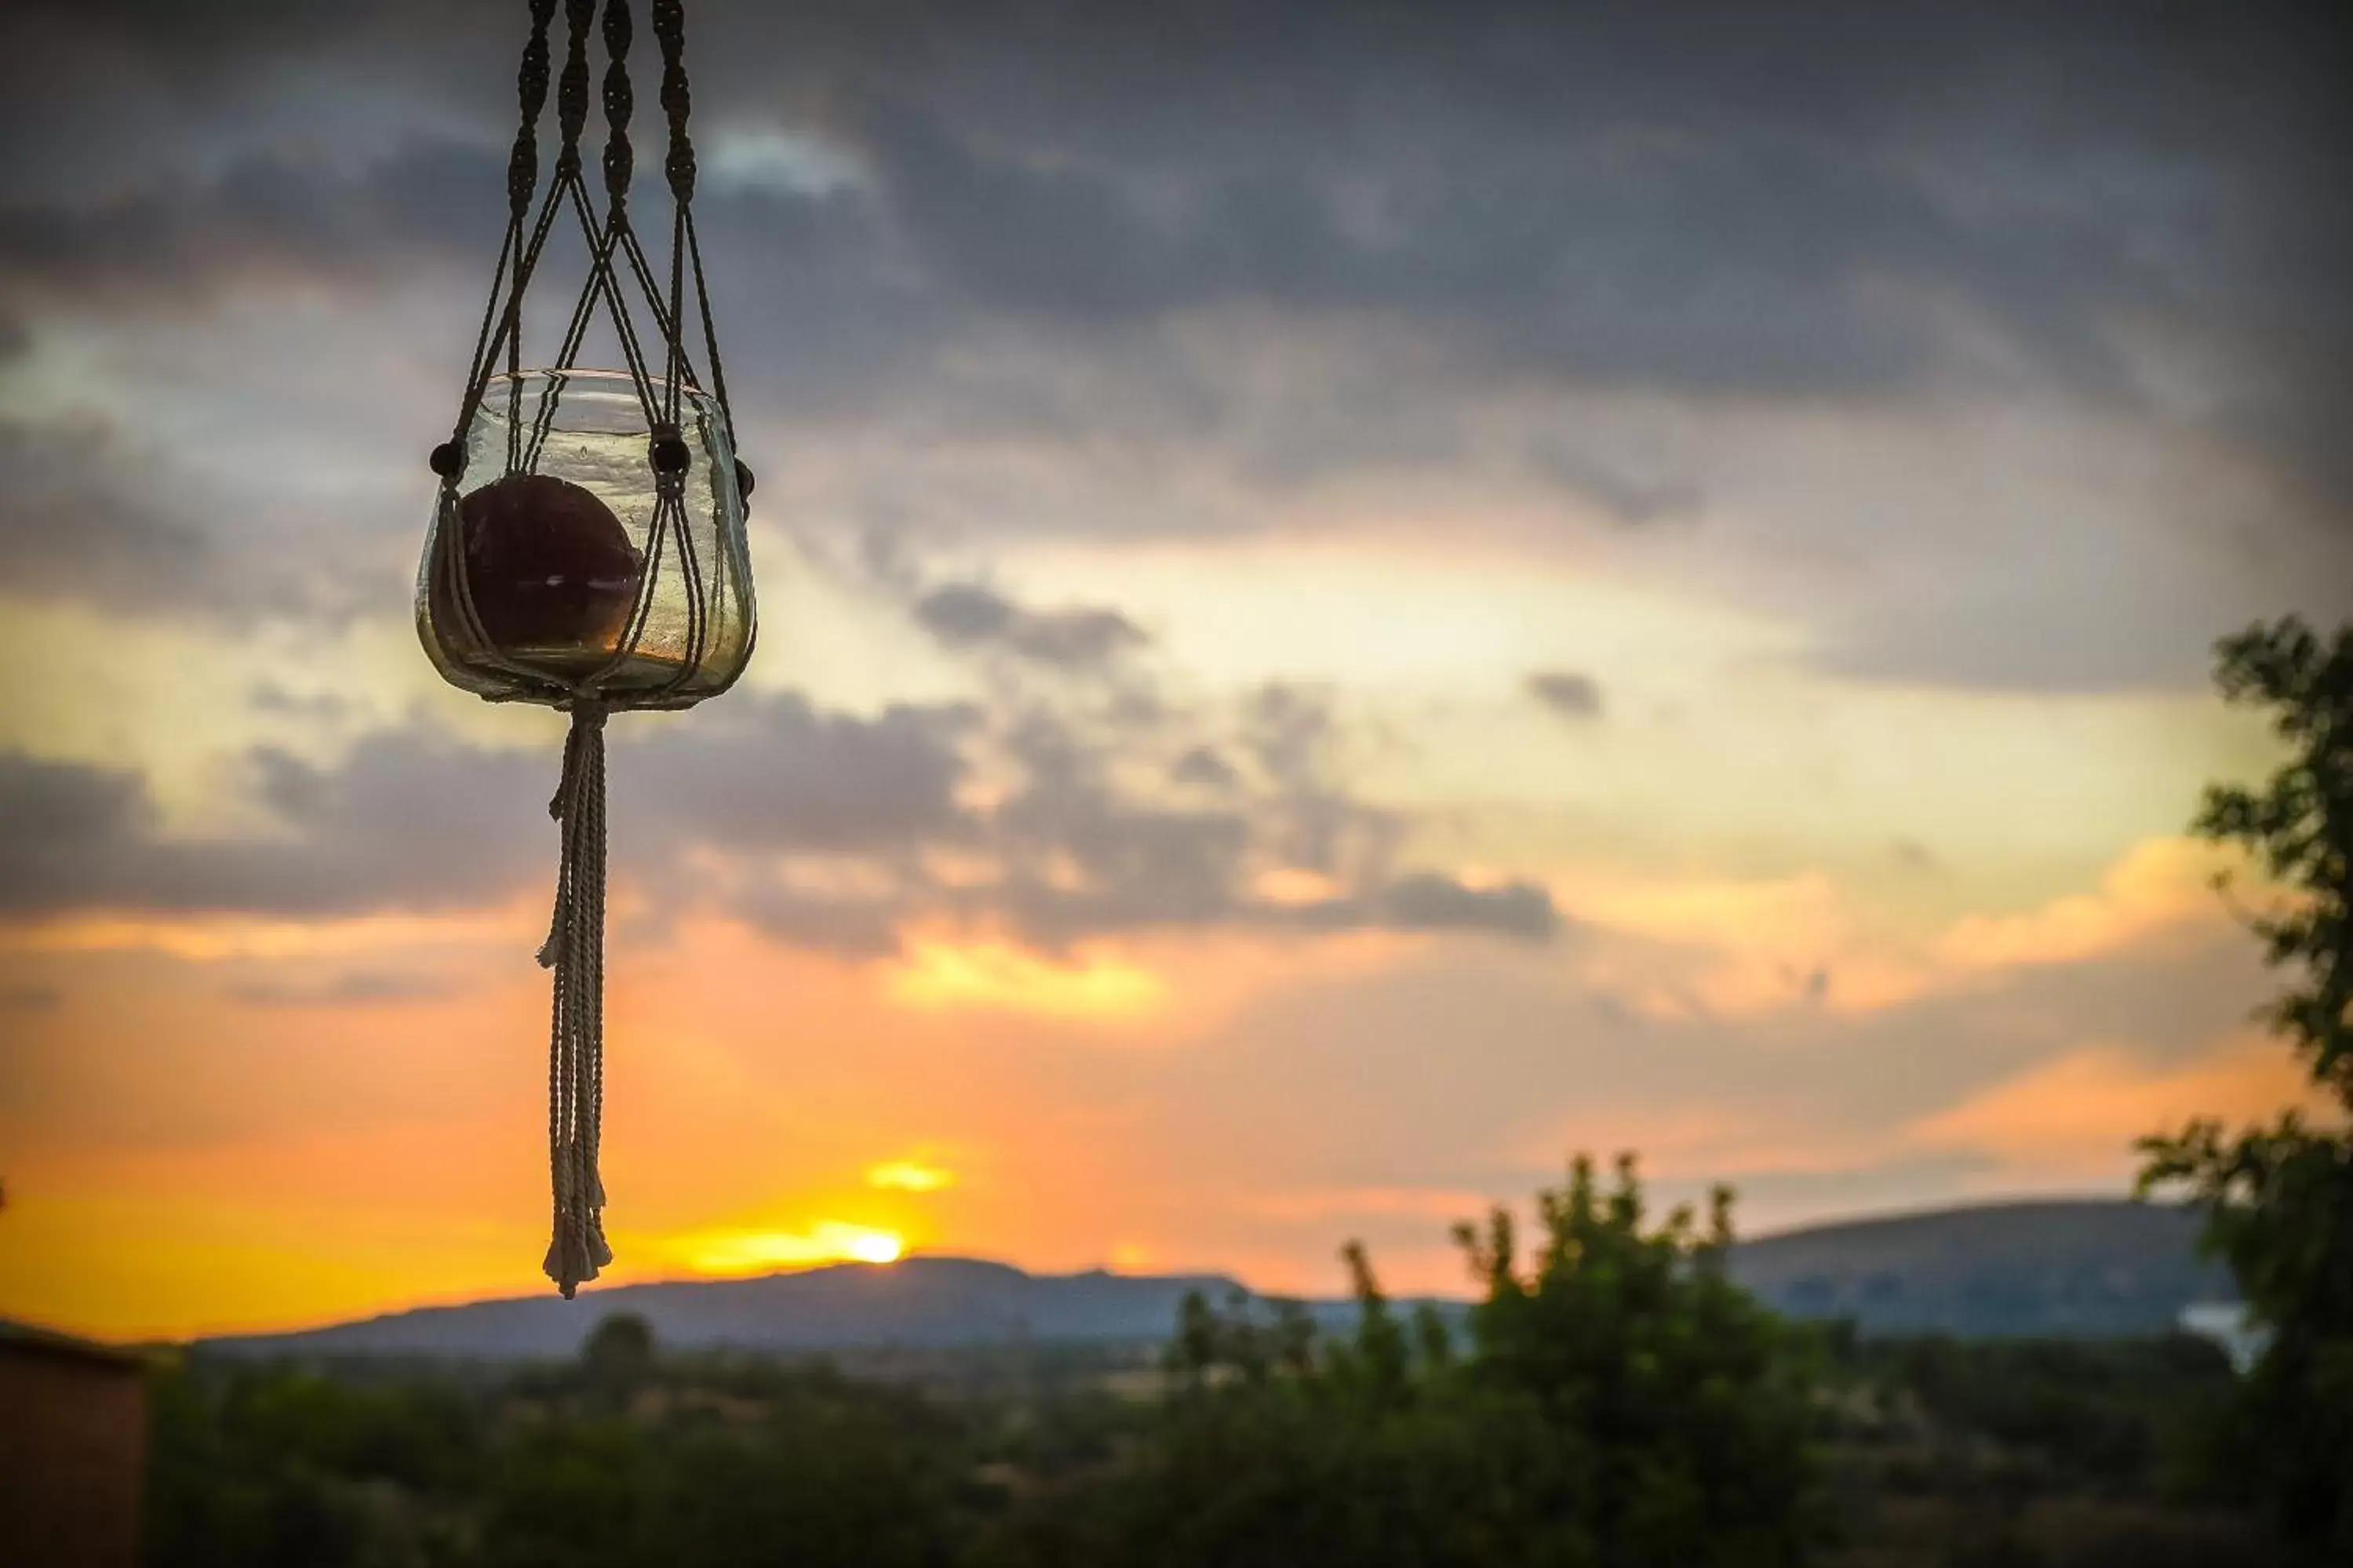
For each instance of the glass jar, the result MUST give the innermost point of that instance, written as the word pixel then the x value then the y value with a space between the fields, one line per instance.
pixel 581 551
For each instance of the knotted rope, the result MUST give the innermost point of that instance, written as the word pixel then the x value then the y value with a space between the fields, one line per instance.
pixel 574 950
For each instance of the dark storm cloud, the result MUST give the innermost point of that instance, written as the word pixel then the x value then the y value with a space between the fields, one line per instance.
pixel 1566 693
pixel 1428 900
pixel 82 516
pixel 1142 863
pixel 255 36
pixel 1729 266
pixel 1139 862
pixel 718 810
pixel 1315 820
pixel 1696 197
pixel 1703 197
pixel 1400 219
pixel 92 513
pixel 970 615
pixel 850 926
pixel 1632 496
pixel 59 825
pixel 1202 766
pixel 264 221
pixel 773 772
pixel 411 819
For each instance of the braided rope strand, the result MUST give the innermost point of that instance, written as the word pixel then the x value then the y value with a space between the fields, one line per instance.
pixel 522 178
pixel 574 951
pixel 620 99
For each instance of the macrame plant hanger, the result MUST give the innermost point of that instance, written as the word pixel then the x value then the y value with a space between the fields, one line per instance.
pixel 588 547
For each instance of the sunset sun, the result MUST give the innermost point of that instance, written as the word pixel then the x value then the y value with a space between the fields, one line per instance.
pixel 759 1251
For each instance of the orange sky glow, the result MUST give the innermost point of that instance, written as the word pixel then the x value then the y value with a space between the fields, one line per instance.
pixel 275 1165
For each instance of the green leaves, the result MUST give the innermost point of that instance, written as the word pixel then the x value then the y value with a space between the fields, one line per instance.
pixel 1619 1402
pixel 2279 1199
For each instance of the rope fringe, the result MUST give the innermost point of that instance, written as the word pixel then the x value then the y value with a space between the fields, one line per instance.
pixel 574 950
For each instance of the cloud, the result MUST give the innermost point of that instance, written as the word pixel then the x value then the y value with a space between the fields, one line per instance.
pixel 849 925
pixel 1720 267
pixel 1589 201
pixel 269 697
pixel 2160 886
pixel 411 819
pixel 1204 767
pixel 969 615
pixel 1632 496
pixel 825 830
pixel 266 221
pixel 84 516
pixel 359 987
pixel 761 772
pixel 1427 900
pixel 1077 846
pixel 1566 693
pixel 111 512
pixel 1168 297
pixel 58 823
pixel 2080 1112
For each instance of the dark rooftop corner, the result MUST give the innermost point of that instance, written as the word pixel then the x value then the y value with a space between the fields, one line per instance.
pixel 73 1449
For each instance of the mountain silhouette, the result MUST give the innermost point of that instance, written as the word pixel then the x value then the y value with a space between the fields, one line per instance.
pixel 2089 1267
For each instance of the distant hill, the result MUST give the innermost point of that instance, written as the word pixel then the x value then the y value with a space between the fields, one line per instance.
pixel 923 1302
pixel 2089 1267
pixel 2069 1268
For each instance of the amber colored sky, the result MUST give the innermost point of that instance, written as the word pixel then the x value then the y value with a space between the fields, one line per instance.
pixel 1356 598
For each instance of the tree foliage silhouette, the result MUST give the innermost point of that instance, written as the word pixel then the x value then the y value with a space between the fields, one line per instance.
pixel 2279 1198
pixel 1613 1401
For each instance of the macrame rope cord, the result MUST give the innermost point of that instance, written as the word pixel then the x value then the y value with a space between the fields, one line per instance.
pixel 654 321
pixel 574 950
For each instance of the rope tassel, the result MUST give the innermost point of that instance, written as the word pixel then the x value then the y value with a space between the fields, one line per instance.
pixel 574 950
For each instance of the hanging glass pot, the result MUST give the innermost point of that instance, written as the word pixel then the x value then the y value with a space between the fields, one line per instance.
pixel 586 549
pixel 565 565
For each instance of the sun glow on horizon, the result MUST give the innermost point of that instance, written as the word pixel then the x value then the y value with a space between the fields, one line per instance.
pixel 910 1176
pixel 756 1251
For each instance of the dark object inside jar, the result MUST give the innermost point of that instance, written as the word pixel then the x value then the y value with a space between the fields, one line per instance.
pixel 548 566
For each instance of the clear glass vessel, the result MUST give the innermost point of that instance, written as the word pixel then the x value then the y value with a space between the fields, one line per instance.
pixel 566 563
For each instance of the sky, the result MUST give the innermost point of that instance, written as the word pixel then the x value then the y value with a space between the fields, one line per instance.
pixel 1356 598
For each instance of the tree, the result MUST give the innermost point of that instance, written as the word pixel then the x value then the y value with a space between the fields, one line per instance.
pixel 617 1357
pixel 2279 1199
pixel 1619 1403
pixel 1684 1402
